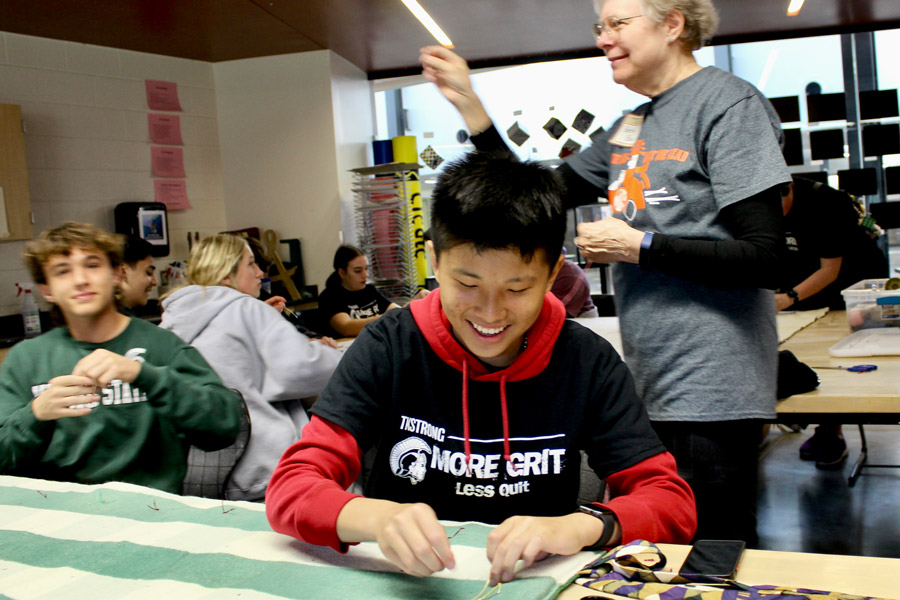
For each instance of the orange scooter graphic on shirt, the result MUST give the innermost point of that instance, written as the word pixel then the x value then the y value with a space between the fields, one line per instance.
pixel 628 192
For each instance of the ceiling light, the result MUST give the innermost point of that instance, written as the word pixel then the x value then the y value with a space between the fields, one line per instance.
pixel 794 8
pixel 426 20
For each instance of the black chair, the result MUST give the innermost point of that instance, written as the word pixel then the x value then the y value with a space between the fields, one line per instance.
pixel 208 473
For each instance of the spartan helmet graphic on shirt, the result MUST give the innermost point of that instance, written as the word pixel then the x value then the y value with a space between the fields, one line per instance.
pixel 409 459
pixel 135 354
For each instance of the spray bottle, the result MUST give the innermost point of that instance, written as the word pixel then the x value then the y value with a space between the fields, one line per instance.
pixel 31 315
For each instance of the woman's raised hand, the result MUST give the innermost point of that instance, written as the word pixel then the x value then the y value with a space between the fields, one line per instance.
pixel 450 73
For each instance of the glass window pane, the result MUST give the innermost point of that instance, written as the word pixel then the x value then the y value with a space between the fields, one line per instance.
pixel 773 68
pixel 527 95
pixel 887 47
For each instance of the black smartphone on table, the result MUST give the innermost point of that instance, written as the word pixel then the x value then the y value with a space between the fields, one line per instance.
pixel 714 558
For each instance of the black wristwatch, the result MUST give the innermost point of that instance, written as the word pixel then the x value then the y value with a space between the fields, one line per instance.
pixel 609 524
pixel 793 295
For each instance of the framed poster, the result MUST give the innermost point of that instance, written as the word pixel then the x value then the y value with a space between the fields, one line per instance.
pixel 146 220
pixel 152 224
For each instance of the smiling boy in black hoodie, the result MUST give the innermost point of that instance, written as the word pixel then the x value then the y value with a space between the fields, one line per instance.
pixel 479 398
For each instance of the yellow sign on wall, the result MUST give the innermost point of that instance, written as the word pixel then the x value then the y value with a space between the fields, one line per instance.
pixel 405 152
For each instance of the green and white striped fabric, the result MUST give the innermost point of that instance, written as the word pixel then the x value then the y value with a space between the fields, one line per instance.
pixel 64 540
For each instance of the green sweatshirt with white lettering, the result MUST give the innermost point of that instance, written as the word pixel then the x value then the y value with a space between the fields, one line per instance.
pixel 137 433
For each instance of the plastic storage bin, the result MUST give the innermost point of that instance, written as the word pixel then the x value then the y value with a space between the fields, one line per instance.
pixel 869 305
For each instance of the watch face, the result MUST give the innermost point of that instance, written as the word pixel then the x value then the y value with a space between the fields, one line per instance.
pixel 608 518
pixel 596 511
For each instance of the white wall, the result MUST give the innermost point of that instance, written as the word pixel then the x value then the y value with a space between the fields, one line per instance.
pixel 87 142
pixel 354 119
pixel 290 126
pixel 288 129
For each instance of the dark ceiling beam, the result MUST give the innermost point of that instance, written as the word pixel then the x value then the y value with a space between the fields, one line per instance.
pixel 382 38
pixel 591 51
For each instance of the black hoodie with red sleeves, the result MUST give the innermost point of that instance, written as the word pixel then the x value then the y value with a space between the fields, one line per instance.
pixel 476 443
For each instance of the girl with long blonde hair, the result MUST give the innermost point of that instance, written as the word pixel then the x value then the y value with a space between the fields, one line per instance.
pixel 252 348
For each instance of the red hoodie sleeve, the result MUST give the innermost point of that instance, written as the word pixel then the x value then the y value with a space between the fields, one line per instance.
pixel 308 488
pixel 652 502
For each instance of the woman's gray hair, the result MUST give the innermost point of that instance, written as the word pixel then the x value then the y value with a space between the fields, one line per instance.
pixel 700 18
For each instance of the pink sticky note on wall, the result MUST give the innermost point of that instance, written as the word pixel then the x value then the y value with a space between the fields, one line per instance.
pixel 172 193
pixel 165 129
pixel 167 161
pixel 162 95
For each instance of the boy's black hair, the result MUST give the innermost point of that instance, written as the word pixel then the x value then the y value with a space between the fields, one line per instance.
pixel 496 202
pixel 136 249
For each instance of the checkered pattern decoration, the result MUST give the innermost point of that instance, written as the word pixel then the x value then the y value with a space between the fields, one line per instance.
pixel 431 158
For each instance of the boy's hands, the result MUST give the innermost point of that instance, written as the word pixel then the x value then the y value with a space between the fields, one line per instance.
pixel 412 539
pixel 103 366
pixel 91 373
pixel 409 535
pixel 531 539
pixel 63 392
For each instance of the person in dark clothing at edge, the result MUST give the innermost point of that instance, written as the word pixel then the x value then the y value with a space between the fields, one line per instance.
pixel 479 399
pixel 827 251
pixel 827 248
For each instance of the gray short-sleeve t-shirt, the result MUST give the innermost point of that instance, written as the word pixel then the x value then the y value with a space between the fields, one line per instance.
pixel 698 352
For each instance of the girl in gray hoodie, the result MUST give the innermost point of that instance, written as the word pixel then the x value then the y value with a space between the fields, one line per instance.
pixel 253 349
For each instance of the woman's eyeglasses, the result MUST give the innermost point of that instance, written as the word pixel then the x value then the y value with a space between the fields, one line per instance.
pixel 613 25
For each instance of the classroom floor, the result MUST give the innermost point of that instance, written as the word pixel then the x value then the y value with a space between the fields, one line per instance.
pixel 804 509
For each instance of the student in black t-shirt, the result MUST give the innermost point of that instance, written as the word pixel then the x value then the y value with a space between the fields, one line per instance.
pixel 827 251
pixel 349 302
